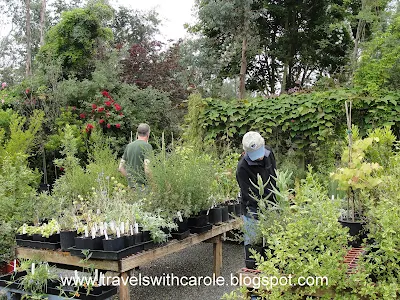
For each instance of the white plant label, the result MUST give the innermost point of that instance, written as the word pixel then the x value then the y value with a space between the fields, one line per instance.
pixel 15 265
pixel 33 269
pixel 93 233
pixel 105 234
pixel 333 197
pixel 136 228
pixel 122 227
pixel 131 227
pixel 101 228
pixel 180 216
pixel 112 226
pixel 86 232
pixel 208 211
pixel 24 229
pixel 118 233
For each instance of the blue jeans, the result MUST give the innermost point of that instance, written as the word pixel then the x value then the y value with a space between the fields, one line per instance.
pixel 249 230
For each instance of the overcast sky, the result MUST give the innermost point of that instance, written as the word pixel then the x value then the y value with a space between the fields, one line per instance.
pixel 173 13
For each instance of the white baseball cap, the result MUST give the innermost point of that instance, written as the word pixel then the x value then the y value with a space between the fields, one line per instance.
pixel 253 145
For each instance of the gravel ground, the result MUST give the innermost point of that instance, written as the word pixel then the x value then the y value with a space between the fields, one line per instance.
pixel 194 261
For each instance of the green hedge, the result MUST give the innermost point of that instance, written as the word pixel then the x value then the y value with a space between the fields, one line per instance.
pixel 300 120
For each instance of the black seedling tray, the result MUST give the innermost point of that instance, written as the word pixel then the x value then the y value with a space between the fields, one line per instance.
pixel 180 236
pixel 150 245
pixel 38 245
pixel 11 280
pixel 200 229
pixel 108 255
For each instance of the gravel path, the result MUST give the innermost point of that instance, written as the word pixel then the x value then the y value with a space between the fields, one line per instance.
pixel 194 261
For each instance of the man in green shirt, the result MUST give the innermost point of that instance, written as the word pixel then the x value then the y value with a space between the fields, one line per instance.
pixel 134 162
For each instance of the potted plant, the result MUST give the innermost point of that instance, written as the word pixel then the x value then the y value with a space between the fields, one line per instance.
pixel 356 177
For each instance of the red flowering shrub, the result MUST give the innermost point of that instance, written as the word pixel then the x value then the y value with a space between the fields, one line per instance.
pixel 89 127
pixel 104 111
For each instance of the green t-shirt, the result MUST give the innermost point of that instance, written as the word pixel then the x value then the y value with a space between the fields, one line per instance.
pixel 134 156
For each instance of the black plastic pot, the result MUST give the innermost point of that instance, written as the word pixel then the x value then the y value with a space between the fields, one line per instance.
pixel 231 210
pixel 249 261
pixel 134 239
pixel 55 238
pixel 198 221
pixel 238 209
pixel 114 244
pixel 82 242
pixel 356 230
pixel 215 215
pixel 67 239
pixel 146 236
pixel 180 235
pixel 225 213
pixel 182 226
pixel 200 229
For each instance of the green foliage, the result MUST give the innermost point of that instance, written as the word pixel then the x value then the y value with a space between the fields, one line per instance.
pixel 6 241
pixel 77 180
pixel 304 240
pixel 77 37
pixel 380 67
pixel 181 181
pixel 299 121
pixel 382 150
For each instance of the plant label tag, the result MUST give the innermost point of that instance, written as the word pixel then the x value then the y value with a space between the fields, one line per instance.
pixel 86 232
pixel 208 211
pixel 131 227
pixel 93 233
pixel 180 216
pixel 333 197
pixel 118 233
pixel 122 228
pixel 112 226
pixel 24 229
pixel 15 265
pixel 33 269
pixel 136 228
pixel 101 228
pixel 105 234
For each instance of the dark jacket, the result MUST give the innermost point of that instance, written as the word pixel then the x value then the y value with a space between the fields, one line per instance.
pixel 247 170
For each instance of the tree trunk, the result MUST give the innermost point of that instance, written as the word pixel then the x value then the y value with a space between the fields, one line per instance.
pixel 42 22
pixel 28 68
pixel 243 69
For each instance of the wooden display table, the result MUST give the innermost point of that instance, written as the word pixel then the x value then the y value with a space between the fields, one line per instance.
pixel 125 265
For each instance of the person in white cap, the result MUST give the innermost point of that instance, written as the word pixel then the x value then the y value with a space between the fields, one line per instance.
pixel 258 159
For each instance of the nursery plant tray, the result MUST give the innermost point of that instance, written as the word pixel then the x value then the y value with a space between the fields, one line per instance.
pixel 11 280
pixel 150 245
pixel 180 235
pixel 38 245
pixel 98 293
pixel 200 229
pixel 108 255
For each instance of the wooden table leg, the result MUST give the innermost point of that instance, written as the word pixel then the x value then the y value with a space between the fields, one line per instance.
pixel 217 246
pixel 124 290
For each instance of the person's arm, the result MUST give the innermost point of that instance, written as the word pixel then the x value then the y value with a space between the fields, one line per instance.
pixel 121 168
pixel 244 184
